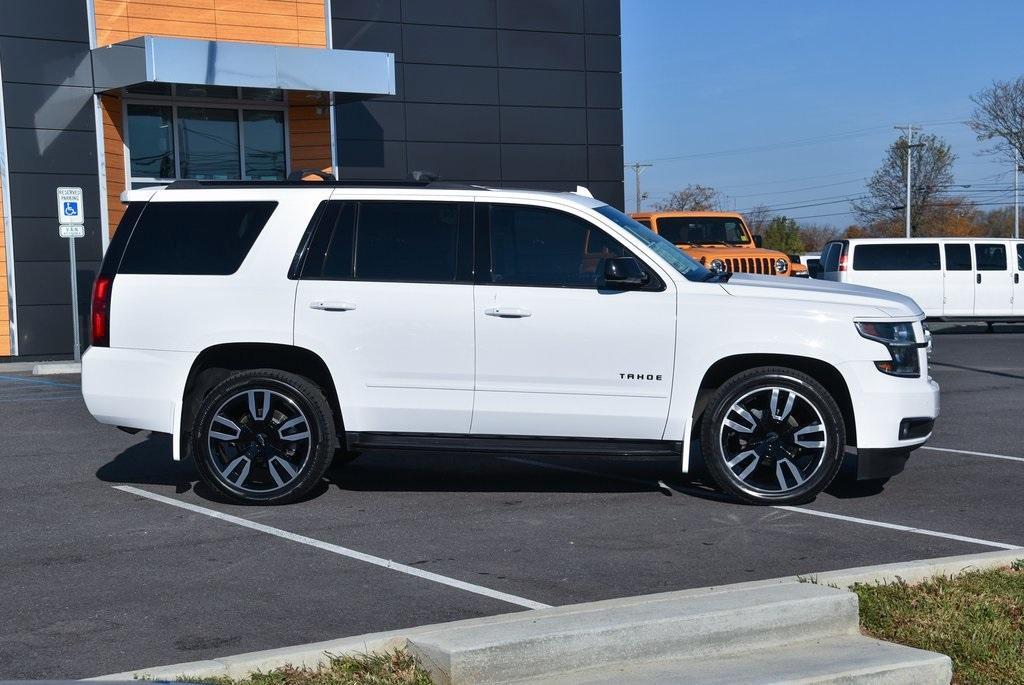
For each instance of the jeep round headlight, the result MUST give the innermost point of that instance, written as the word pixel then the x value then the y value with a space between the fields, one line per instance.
pixel 781 265
pixel 717 265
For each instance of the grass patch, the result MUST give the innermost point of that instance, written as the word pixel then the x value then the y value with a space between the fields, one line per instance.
pixel 391 668
pixel 976 618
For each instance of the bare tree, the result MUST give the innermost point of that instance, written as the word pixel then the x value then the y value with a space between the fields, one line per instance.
pixel 816 235
pixel 886 191
pixel 999 116
pixel 693 198
pixel 758 218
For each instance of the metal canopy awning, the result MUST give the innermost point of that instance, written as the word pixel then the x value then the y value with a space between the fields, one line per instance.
pixel 156 59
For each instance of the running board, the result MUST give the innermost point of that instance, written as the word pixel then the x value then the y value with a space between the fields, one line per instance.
pixel 514 444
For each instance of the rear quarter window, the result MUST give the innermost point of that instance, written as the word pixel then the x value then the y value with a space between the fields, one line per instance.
pixel 897 257
pixel 194 238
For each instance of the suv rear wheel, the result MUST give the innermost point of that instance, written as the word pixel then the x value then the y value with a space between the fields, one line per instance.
pixel 773 435
pixel 263 436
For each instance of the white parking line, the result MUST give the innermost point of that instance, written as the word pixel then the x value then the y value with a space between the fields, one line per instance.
pixel 894 526
pixel 337 549
pixel 976 454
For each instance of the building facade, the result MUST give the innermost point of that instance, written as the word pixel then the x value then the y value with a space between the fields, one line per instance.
pixel 108 95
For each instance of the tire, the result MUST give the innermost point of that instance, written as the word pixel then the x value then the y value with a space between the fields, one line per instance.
pixel 773 435
pixel 263 436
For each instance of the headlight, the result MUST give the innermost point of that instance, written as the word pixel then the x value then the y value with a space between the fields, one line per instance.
pixel 898 339
pixel 781 265
pixel 717 265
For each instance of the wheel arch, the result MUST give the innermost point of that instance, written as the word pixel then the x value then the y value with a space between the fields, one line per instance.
pixel 823 372
pixel 215 363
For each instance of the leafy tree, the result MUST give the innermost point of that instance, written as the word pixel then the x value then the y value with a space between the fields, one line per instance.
pixel 783 234
pixel 886 197
pixel 815 236
pixel 999 116
pixel 693 198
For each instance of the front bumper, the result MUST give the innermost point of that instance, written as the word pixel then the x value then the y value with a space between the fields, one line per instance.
pixel 882 406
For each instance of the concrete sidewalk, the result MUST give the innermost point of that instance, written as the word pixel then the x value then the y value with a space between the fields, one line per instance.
pixel 708 632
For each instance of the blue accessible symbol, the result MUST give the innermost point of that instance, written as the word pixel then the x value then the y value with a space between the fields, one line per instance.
pixel 70 209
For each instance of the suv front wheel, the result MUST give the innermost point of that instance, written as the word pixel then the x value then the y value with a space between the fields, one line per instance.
pixel 263 436
pixel 773 435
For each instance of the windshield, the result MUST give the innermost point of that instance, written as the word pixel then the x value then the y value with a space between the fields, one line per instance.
pixel 702 230
pixel 679 260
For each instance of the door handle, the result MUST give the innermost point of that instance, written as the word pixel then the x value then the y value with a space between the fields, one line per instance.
pixel 979 278
pixel 508 312
pixel 1016 278
pixel 332 306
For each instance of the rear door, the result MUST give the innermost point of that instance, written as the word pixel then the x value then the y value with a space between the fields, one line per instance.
pixel 557 354
pixel 993 282
pixel 1018 277
pixel 386 299
pixel 911 268
pixel 958 280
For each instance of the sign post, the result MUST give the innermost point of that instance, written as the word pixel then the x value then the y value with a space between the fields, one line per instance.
pixel 71 225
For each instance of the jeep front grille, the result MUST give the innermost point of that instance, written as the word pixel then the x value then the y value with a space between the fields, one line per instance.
pixel 750 265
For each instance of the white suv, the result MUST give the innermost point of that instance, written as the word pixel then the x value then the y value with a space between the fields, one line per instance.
pixel 271 328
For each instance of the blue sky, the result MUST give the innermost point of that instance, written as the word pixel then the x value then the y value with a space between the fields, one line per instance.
pixel 706 80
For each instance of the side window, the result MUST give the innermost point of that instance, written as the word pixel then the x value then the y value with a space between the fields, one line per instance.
pixel 897 257
pixel 194 238
pixel 990 256
pixel 385 241
pixel 646 223
pixel 958 257
pixel 544 247
pixel 1020 256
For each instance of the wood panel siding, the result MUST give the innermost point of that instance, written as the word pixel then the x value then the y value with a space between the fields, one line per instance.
pixel 278 22
pixel 113 155
pixel 5 312
pixel 309 130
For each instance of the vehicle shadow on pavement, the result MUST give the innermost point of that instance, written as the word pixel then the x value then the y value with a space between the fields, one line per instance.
pixel 148 463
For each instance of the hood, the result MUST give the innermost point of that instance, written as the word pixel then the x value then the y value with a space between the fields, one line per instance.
pixel 713 251
pixel 813 290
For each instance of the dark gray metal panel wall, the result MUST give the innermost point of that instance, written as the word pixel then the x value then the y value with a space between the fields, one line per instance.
pixel 503 92
pixel 51 142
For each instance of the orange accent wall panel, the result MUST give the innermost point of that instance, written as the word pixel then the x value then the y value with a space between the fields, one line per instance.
pixel 5 314
pixel 309 130
pixel 113 155
pixel 279 22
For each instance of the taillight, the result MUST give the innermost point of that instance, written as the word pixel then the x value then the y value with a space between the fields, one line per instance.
pixel 101 290
pixel 842 261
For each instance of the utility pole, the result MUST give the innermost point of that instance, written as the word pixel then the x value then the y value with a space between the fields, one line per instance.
pixel 1016 192
pixel 638 169
pixel 911 129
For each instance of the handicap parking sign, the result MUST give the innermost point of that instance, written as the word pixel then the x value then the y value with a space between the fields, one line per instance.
pixel 69 206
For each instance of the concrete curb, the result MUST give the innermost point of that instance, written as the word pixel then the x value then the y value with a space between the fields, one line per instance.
pixel 55 368
pixel 313 653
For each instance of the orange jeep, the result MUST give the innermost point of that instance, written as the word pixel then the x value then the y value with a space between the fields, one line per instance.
pixel 720 241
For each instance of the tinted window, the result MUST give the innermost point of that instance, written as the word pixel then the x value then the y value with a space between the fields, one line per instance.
pixel 990 256
pixel 544 247
pixel 407 241
pixel 194 238
pixel 897 257
pixel 1020 256
pixel 958 257
pixel 646 223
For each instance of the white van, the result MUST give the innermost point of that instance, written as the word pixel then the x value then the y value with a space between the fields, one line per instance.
pixel 949 278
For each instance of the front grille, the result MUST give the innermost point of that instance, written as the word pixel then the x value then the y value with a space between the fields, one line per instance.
pixel 750 265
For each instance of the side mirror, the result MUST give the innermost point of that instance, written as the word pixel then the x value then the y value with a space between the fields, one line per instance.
pixel 624 273
pixel 758 241
pixel 814 269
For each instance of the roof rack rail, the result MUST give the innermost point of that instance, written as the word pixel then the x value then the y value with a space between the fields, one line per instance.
pixel 195 184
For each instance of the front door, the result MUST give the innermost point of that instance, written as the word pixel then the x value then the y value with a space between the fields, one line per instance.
pixel 384 301
pixel 993 283
pixel 958 280
pixel 557 353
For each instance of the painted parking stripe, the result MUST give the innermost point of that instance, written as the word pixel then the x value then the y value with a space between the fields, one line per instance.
pixel 32 398
pixel 337 549
pixel 37 381
pixel 895 526
pixel 975 454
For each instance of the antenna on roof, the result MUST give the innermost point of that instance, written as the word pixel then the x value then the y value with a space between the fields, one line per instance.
pixel 584 191
pixel 425 176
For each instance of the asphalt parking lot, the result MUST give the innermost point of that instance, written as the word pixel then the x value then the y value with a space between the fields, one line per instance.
pixel 99 576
